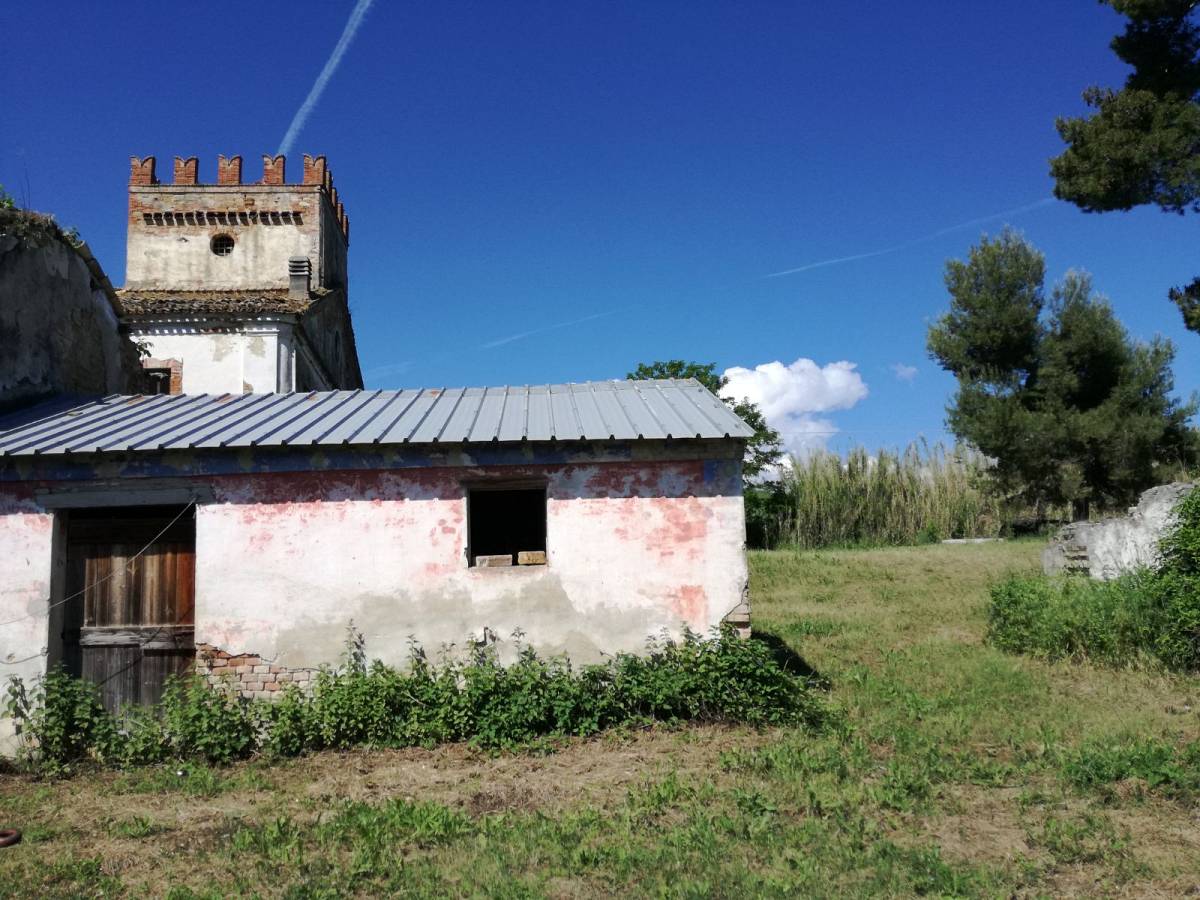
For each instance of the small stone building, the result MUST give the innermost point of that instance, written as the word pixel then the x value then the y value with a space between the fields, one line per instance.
pixel 246 532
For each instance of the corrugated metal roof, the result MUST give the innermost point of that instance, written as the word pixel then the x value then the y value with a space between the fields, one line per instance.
pixel 590 411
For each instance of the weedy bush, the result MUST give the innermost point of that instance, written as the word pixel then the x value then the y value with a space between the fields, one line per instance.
pixel 716 679
pixel 1074 618
pixel 1146 615
pixel 65 717
pixel 1163 766
pixel 922 495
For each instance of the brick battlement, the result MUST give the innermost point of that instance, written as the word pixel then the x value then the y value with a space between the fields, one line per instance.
pixel 186 172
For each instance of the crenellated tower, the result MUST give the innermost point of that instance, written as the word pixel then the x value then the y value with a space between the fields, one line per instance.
pixel 239 287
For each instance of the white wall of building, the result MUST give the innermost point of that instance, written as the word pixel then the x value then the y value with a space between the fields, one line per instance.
pixel 245 360
pixel 170 235
pixel 26 562
pixel 285 563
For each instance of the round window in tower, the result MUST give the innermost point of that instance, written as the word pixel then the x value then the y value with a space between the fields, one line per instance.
pixel 222 244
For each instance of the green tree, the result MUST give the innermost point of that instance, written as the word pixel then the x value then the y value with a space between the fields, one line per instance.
pixel 1070 407
pixel 1142 145
pixel 763 449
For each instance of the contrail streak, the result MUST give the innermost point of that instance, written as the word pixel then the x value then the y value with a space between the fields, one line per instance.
pixel 1028 207
pixel 356 19
pixel 524 334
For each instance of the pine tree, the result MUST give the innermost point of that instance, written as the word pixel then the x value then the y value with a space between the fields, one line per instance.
pixel 1069 406
pixel 1142 145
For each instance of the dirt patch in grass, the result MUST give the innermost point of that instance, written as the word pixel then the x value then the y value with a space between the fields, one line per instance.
pixel 93 814
pixel 985 828
pixel 597 772
pixel 1148 846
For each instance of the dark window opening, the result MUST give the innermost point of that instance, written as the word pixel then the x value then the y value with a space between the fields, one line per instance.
pixel 508 522
pixel 222 244
pixel 159 381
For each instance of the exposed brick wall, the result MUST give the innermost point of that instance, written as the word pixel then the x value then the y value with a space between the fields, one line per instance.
pixel 252 676
pixel 314 169
pixel 229 171
pixel 141 171
pixel 273 170
pixel 186 170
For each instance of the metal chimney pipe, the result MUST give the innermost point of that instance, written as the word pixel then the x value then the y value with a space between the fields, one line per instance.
pixel 299 277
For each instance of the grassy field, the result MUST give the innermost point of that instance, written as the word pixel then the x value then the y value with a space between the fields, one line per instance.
pixel 956 770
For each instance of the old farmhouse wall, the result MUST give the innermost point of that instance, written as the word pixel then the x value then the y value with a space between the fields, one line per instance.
pixel 58 330
pixel 632 549
pixel 243 358
pixel 285 560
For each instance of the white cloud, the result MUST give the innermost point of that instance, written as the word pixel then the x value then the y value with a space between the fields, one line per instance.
pixel 903 372
pixel 792 397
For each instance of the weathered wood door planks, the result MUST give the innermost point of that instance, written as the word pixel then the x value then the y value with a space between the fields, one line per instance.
pixel 133 624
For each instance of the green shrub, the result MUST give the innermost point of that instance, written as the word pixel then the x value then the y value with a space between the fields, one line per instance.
pixel 1146 614
pixel 202 723
pixel 1113 622
pixel 1163 766
pixel 63 717
pixel 718 679
pixel 1180 548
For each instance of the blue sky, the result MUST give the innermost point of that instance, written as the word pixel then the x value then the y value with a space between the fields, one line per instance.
pixel 557 191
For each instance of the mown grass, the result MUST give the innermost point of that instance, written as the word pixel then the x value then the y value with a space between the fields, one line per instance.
pixel 954 769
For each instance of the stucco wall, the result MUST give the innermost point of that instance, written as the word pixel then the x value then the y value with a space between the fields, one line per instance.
pixel 233 361
pixel 330 333
pixel 1112 547
pixel 58 331
pixel 170 233
pixel 285 562
pixel 26 542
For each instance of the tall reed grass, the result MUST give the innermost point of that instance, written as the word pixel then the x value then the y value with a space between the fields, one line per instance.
pixel 923 494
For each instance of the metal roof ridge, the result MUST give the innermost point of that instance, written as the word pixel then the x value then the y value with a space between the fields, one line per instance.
pixel 462 392
pixel 441 392
pixel 202 410
pixel 284 442
pixel 329 395
pixel 671 406
pixel 575 413
pixel 591 386
pixel 475 418
pixel 281 401
pixel 649 411
pixel 89 411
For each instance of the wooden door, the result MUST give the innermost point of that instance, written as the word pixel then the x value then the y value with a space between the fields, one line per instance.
pixel 133 623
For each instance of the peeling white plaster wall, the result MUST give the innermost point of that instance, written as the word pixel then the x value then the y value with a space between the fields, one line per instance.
pixel 285 562
pixel 26 542
pixel 258 361
pixel 389 556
